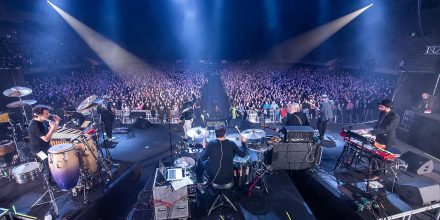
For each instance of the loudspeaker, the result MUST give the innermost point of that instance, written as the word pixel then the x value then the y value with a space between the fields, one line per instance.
pixel 416 163
pixel 420 192
pixel 295 156
pixel 142 123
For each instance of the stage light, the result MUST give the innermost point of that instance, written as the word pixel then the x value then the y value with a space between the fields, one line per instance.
pixel 293 50
pixel 116 57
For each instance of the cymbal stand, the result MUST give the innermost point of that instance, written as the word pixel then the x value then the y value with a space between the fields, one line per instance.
pixel 26 120
pixel 14 138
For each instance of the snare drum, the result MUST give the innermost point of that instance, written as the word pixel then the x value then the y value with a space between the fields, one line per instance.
pixel 64 165
pixel 89 161
pixel 26 172
pixel 6 147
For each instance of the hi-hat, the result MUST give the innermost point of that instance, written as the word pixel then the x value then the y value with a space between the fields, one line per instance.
pixel 235 138
pixel 17 91
pixel 198 133
pixel 89 103
pixel 185 162
pixel 21 103
pixel 254 134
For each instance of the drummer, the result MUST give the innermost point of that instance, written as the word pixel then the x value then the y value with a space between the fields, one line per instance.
pixel 217 158
pixel 41 128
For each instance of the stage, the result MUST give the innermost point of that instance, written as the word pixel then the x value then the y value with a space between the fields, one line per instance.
pixel 103 200
pixel 345 190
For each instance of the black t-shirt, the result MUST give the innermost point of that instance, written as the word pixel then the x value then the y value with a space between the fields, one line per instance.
pixel 223 151
pixel 37 129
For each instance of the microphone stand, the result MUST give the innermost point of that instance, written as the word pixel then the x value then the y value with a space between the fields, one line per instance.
pixel 169 135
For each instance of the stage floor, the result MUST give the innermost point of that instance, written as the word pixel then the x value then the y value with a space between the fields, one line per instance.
pixel 23 196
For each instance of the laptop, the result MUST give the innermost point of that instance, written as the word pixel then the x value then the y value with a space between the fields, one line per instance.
pixel 170 174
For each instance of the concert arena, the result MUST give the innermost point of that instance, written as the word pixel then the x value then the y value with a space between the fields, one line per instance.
pixel 224 109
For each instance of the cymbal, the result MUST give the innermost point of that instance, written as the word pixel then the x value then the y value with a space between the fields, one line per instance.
pixel 253 134
pixel 17 91
pixel 185 162
pixel 21 103
pixel 198 133
pixel 258 148
pixel 89 103
pixel 235 138
pixel 4 118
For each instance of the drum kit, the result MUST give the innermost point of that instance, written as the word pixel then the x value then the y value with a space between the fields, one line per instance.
pixel 16 132
pixel 245 168
pixel 72 161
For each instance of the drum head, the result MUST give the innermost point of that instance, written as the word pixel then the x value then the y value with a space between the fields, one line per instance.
pixel 61 148
pixel 185 162
pixel 25 168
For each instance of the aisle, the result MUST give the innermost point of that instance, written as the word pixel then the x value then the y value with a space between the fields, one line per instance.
pixel 214 99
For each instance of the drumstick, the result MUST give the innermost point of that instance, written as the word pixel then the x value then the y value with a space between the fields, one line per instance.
pixel 236 127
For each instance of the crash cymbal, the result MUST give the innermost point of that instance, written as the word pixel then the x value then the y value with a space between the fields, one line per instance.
pixel 198 133
pixel 21 103
pixel 4 118
pixel 89 103
pixel 17 91
pixel 253 134
pixel 235 138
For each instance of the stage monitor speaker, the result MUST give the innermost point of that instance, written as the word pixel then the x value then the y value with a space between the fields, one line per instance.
pixel 295 156
pixel 420 192
pixel 416 163
pixel 142 123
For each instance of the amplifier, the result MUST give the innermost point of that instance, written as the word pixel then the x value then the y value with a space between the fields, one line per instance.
pixel 297 134
pixel 169 203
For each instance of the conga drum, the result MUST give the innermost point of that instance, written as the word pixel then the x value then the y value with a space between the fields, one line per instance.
pixel 64 165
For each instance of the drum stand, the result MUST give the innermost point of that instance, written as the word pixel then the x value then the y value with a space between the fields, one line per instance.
pixel 260 171
pixel 52 200
pixel 83 178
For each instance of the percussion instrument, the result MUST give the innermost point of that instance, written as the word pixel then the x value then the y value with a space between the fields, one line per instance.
pixel 235 138
pixel 21 103
pixel 64 135
pixel 89 161
pixel 256 140
pixel 185 162
pixel 17 91
pixel 26 172
pixel 253 117
pixel 6 147
pixel 198 133
pixel 89 103
pixel 64 165
pixel 241 169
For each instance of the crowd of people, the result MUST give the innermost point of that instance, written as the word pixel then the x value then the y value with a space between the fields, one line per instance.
pixel 273 86
pixel 159 88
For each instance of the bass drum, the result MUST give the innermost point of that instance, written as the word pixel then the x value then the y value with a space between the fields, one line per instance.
pixel 64 165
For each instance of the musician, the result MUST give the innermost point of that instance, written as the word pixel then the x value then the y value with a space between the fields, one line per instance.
pixel 41 128
pixel 218 156
pixel 187 114
pixel 294 117
pixel 385 129
pixel 108 115
pixel 326 114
